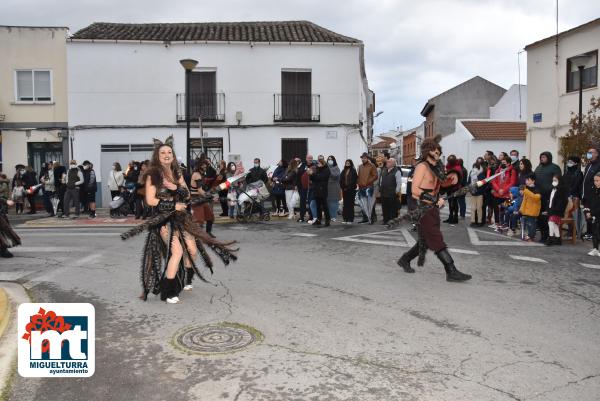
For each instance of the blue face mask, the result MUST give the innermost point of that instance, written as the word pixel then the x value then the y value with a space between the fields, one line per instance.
pixel 589 155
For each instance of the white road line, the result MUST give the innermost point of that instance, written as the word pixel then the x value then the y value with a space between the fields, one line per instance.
pixel 388 237
pixel 373 242
pixel 511 241
pixel 48 249
pixel 304 235
pixel 527 259
pixel 88 259
pixel 238 228
pixel 465 251
pixel 590 266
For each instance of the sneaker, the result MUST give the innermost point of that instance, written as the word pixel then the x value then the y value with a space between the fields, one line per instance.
pixel 333 220
pixel 300 221
pixel 188 287
pixel 594 252
pixel 492 226
pixel 587 237
pixel 510 233
pixel 174 300
pixel 311 221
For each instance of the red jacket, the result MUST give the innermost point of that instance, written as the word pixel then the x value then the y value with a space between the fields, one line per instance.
pixel 504 182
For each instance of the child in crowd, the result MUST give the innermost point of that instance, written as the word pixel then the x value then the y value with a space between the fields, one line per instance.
pixel 530 208
pixel 511 214
pixel 18 196
pixel 557 203
pixel 592 215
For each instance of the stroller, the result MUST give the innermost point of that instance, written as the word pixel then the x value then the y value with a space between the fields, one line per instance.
pixel 249 203
pixel 122 204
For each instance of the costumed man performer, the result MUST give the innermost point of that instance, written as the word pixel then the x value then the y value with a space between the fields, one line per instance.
pixel 174 239
pixel 8 237
pixel 429 177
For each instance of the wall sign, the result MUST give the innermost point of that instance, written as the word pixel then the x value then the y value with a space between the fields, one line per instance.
pixel 537 118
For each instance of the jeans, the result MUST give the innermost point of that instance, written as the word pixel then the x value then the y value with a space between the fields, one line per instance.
pixel 303 198
pixel 47 204
pixel 333 206
pixel 462 205
pixel 530 226
pixel 313 208
pixel 71 196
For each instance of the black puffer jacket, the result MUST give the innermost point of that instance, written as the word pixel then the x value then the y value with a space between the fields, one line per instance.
pixel 320 180
pixel 544 174
pixel 573 180
pixel 588 180
pixel 594 202
pixel 559 203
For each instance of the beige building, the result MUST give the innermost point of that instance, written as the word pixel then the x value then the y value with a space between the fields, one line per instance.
pixel 553 84
pixel 33 98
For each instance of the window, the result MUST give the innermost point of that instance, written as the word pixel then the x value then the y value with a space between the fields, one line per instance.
pixel 590 73
pixel 296 91
pixel 33 86
pixel 203 94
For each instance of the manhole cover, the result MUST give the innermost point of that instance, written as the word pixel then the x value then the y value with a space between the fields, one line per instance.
pixel 219 338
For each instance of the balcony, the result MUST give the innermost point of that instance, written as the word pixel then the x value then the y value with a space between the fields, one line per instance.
pixel 296 108
pixel 209 106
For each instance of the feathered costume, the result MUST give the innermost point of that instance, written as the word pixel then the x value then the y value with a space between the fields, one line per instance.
pixel 8 237
pixel 157 252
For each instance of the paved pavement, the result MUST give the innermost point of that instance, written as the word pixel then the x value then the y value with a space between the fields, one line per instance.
pixel 340 320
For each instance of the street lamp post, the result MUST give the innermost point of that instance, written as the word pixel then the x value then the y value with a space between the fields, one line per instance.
pixel 188 65
pixel 580 61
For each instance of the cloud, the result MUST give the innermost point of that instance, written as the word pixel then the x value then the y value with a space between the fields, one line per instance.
pixel 414 50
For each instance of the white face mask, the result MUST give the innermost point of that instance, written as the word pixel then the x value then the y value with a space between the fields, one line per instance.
pixel 113 167
pixel 571 164
pixel 555 183
pixel 514 158
pixel 72 165
pixel 256 164
pixel 330 162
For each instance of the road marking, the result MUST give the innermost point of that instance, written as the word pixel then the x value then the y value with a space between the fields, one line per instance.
pixel 238 228
pixel 59 234
pixel 14 275
pixel 590 266
pixel 48 249
pixel 303 235
pixel 399 237
pixel 88 259
pixel 474 238
pixel 465 251
pixel 527 258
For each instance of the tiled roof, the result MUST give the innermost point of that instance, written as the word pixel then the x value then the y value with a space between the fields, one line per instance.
pixel 384 143
pixel 497 130
pixel 273 31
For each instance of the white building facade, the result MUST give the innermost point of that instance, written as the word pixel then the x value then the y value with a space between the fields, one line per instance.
pixel 553 84
pixel 258 94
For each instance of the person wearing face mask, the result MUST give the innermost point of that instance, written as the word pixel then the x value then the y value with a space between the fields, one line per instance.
pixel 514 158
pixel 429 177
pixel 573 181
pixel 74 180
pixel 592 167
pixel 592 214
pixel 557 204
pixel 501 187
pixel 544 173
pixel 319 177
pixel 256 173
pixel 289 184
pixel 115 179
pixel 333 187
pixel 90 187
pixel 390 184
pixel 348 180
pixel 530 207
pixel 278 189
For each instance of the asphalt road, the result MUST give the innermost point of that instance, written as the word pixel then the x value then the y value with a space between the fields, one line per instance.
pixel 340 320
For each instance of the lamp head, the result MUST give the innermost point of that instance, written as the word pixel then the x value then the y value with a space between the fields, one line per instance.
pixel 188 64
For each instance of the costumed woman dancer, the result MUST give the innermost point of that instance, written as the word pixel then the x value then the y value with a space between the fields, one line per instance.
pixel 174 239
pixel 8 237
pixel 429 177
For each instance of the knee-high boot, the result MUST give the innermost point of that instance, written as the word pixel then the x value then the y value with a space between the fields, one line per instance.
pixel 404 261
pixel 168 290
pixel 452 274
pixel 209 225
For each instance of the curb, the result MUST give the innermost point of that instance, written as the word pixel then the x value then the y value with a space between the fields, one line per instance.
pixel 15 295
pixel 4 312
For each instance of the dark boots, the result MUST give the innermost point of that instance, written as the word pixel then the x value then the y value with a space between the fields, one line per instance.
pixel 189 275
pixel 4 253
pixel 168 290
pixel 209 225
pixel 404 261
pixel 452 274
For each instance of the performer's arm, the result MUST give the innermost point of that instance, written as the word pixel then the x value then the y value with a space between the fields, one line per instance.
pixel 183 189
pixel 451 180
pixel 417 181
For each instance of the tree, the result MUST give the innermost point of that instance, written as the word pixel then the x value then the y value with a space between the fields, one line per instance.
pixel 576 142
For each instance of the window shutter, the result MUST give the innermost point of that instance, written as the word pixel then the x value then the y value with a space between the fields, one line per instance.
pixel 42 83
pixel 24 86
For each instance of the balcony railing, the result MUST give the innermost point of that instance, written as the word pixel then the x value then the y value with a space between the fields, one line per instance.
pixel 211 106
pixel 298 108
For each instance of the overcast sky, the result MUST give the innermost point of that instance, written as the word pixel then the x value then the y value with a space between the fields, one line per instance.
pixel 414 49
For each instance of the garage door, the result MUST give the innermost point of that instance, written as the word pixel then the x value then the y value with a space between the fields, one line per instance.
pixel 122 154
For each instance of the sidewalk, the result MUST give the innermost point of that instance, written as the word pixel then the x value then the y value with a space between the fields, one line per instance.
pixel 11 296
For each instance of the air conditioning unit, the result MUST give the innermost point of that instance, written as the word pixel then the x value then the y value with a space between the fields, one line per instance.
pixel 235 158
